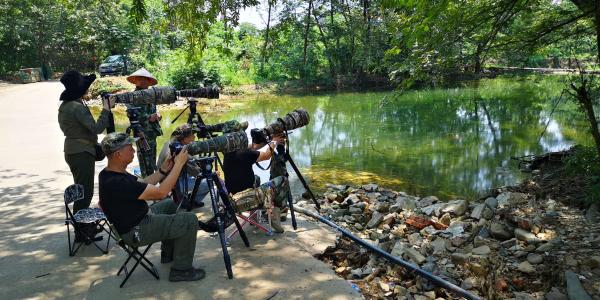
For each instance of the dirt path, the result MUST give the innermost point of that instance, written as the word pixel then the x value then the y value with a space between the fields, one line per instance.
pixel 33 250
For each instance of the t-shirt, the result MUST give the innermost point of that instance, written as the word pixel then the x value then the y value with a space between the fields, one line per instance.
pixel 119 193
pixel 237 167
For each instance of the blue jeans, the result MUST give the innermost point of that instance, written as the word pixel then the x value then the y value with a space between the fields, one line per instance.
pixel 202 189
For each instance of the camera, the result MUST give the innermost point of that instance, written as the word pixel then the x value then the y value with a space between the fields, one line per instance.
pixel 175 147
pixel 295 119
pixel 133 114
pixel 163 95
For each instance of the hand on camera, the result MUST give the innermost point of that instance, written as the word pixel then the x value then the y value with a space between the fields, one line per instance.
pixel 279 139
pixel 108 102
pixel 155 117
pixel 182 157
pixel 167 165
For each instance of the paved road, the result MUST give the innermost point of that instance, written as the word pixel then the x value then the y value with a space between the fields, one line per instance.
pixel 33 251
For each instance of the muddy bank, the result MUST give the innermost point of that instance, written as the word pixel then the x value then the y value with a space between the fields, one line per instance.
pixel 523 242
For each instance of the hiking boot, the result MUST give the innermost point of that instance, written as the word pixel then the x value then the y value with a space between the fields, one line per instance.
pixel 276 220
pixel 191 274
pixel 165 258
pixel 284 212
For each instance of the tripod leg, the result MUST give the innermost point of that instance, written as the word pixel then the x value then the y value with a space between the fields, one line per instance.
pixel 221 229
pixel 312 196
pixel 229 208
pixel 291 205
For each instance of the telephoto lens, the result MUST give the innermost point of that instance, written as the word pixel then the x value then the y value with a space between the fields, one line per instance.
pixel 228 142
pixel 164 95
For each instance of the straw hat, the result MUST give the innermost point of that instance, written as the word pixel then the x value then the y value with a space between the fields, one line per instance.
pixel 135 76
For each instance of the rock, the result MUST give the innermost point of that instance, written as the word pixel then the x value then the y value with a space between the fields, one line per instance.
pixel 524 296
pixel 570 261
pixel 398 249
pixel 445 219
pixel 488 213
pixel 383 207
pixel 427 201
pixel 355 210
pixel 593 213
pixel 526 267
pixel 478 269
pixel 371 187
pixel 434 209
pixel 511 198
pixel 459 258
pixel 549 245
pixel 509 243
pixel 340 213
pixel 482 250
pixel 456 207
pixel 593 262
pixel 360 205
pixel 429 295
pixel 359 227
pixel 500 284
pixel 499 231
pixel 574 288
pixel 439 246
pixel 395 208
pixel 491 202
pixel 376 218
pixel 400 290
pixel 399 230
pixel 414 255
pixel 555 294
pixel 469 283
pixel 349 219
pixel 477 211
pixel 415 239
pixel 331 197
pixel 526 236
pixel 420 297
pixel 484 232
pixel 384 286
pixel 406 203
pixel 535 259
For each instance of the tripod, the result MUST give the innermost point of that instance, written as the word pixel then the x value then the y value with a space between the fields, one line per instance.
pixel 146 163
pixel 223 218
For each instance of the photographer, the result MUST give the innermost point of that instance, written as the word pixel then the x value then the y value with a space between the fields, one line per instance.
pixel 184 134
pixel 149 119
pixel 239 176
pixel 81 137
pixel 122 197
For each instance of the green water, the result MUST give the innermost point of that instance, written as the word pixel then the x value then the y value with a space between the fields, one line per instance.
pixel 447 142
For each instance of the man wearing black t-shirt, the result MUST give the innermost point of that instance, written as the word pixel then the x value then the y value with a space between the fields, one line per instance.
pixel 122 197
pixel 239 176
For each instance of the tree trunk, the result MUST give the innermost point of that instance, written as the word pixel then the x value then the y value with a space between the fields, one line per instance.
pixel 264 50
pixel 597 9
pixel 306 32
pixel 585 100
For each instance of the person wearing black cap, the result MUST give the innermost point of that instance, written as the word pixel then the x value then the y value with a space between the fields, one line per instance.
pixel 81 135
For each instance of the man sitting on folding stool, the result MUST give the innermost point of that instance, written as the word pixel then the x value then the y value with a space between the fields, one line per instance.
pixel 241 181
pixel 122 197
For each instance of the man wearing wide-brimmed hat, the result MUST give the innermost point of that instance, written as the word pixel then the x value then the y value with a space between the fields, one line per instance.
pixel 81 135
pixel 149 119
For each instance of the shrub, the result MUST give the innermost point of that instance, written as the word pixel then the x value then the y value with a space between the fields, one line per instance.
pixel 109 85
pixel 585 161
pixel 195 75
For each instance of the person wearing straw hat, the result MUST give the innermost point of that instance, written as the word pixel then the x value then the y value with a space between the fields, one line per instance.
pixel 149 119
pixel 81 135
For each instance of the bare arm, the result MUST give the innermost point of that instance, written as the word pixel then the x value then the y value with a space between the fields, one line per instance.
pixel 267 152
pixel 153 192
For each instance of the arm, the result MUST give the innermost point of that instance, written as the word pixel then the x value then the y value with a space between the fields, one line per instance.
pixel 153 192
pixel 85 118
pixel 267 152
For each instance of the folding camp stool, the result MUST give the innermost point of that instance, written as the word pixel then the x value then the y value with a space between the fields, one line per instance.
pixel 92 215
pixel 138 257
pixel 253 217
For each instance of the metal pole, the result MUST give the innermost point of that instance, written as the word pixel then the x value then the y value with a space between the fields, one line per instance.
pixel 434 279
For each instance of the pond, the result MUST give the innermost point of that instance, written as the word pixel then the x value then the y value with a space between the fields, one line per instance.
pixel 451 142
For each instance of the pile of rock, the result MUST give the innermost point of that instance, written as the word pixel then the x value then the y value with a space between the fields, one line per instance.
pixel 509 245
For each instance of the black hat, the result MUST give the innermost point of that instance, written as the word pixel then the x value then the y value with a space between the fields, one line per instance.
pixel 75 85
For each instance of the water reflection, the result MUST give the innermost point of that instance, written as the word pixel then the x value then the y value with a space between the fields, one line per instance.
pixel 451 143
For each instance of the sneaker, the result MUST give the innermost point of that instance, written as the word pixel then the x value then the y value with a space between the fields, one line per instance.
pixel 165 258
pixel 191 274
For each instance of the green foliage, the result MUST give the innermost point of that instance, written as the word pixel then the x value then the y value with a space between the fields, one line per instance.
pixel 585 161
pixel 194 76
pixel 109 85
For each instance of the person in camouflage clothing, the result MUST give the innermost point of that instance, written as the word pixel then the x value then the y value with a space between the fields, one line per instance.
pixel 149 119
pixel 242 183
